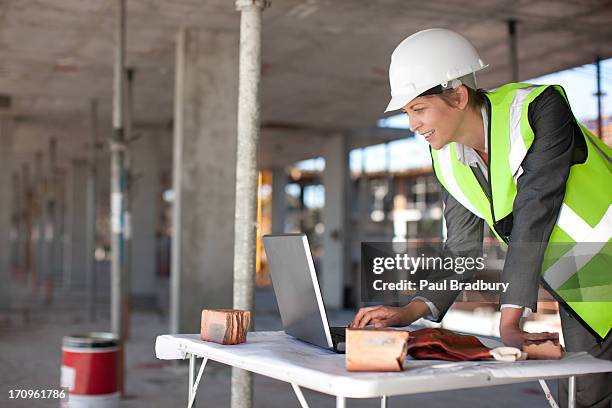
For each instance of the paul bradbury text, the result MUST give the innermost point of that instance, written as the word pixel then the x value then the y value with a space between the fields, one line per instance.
pixel 449 284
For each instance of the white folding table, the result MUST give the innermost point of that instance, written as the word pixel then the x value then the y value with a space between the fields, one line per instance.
pixel 279 356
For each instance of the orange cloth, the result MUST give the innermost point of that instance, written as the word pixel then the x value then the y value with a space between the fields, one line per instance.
pixel 443 344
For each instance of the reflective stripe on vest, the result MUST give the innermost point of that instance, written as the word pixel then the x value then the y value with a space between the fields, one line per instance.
pixel 575 227
pixel 446 167
pixel 518 146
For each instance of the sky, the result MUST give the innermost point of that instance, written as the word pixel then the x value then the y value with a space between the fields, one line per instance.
pixel 579 84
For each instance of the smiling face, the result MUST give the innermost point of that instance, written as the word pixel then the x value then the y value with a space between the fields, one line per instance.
pixel 435 119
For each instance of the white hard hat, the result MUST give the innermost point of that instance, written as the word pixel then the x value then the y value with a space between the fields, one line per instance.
pixel 427 59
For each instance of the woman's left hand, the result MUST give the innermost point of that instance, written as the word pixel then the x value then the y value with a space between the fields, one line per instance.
pixel 513 336
pixel 510 327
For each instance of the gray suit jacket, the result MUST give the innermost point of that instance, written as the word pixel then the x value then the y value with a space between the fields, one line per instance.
pixel 558 144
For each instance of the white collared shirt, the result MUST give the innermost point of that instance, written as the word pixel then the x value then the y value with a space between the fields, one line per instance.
pixel 468 156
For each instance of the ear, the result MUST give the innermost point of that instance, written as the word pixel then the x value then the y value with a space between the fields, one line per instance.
pixel 463 97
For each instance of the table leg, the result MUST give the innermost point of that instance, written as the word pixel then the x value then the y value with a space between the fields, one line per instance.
pixel 383 401
pixel 194 384
pixel 340 402
pixel 191 375
pixel 571 392
pixel 547 393
pixel 300 396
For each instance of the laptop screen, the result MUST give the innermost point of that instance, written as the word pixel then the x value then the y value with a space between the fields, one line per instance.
pixel 297 289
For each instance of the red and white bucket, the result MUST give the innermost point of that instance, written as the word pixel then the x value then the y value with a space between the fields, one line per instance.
pixel 89 370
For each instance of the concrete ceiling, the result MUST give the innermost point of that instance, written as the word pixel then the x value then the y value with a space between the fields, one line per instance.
pixel 324 61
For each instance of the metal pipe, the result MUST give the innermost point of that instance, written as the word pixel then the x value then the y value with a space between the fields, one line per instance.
pixel 6 157
pixel 16 225
pixel 246 177
pixel 513 43
pixel 50 232
pixel 571 392
pixel 129 185
pixel 39 189
pixel 599 94
pixel 60 231
pixel 70 227
pixel 192 359
pixel 27 219
pixel 90 220
pixel 117 150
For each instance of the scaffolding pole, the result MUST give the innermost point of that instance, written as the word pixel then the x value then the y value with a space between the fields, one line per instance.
pixel 599 94
pixel 117 152
pixel 59 230
pixel 129 186
pixel 246 177
pixel 6 157
pixel 49 232
pixel 39 189
pixel 16 226
pixel 513 44
pixel 27 220
pixel 90 221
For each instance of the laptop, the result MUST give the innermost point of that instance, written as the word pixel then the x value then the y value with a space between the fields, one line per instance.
pixel 297 292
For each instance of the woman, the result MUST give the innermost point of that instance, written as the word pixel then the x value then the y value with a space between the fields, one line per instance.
pixel 517 159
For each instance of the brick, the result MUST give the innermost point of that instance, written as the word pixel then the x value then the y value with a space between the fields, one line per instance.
pixel 225 326
pixel 375 349
pixel 542 346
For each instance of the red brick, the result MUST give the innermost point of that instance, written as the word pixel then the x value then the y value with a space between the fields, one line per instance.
pixel 375 349
pixel 225 326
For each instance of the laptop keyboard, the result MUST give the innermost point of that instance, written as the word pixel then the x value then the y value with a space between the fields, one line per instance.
pixel 338 332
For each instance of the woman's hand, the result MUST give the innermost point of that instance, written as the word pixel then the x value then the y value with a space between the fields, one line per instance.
pixel 385 316
pixel 515 337
pixel 379 316
pixel 510 327
pixel 512 337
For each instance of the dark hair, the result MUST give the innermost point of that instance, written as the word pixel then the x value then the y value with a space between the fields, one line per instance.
pixel 476 97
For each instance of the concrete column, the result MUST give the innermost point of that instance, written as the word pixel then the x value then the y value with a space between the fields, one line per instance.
pixel 335 239
pixel 144 199
pixel 6 161
pixel 206 94
pixel 76 226
pixel 279 200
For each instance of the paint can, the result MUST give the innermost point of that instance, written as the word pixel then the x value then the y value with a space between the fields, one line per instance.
pixel 89 370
